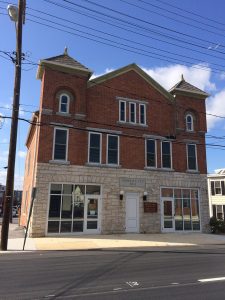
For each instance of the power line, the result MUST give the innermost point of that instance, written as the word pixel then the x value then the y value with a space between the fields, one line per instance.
pixel 111 35
pixel 172 18
pixel 140 20
pixel 127 24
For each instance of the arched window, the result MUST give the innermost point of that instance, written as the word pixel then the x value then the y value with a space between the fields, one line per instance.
pixel 189 123
pixel 64 102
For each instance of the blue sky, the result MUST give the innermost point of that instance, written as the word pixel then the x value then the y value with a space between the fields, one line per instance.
pixel 166 38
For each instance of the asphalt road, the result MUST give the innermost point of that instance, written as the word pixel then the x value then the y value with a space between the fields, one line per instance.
pixel 113 275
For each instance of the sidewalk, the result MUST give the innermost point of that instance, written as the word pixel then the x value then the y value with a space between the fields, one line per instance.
pixel 169 241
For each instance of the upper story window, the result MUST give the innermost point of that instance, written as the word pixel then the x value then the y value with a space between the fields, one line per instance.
pixel 166 159
pixel 112 149
pixel 151 153
pixel 217 187
pixel 132 112
pixel 142 114
pixel 94 152
pixel 191 157
pixel 64 102
pixel 122 108
pixel 189 122
pixel 60 148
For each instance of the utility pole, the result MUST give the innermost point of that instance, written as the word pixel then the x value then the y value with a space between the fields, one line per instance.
pixel 14 127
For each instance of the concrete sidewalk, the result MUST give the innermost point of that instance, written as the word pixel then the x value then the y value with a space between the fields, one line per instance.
pixel 170 241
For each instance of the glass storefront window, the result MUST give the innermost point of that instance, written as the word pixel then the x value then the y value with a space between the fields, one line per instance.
pixel 71 210
pixel 178 214
pixel 167 192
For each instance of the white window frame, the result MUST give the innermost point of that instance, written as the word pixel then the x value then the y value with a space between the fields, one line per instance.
pixel 68 104
pixel 125 113
pixel 196 159
pixel 118 150
pixel 217 187
pixel 171 156
pixel 67 142
pixel 100 154
pixel 135 113
pixel 141 104
pixel 146 154
pixel 192 123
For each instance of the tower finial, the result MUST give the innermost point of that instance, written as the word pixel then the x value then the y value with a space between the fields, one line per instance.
pixel 65 51
pixel 182 77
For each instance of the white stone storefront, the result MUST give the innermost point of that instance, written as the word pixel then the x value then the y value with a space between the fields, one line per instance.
pixel 112 200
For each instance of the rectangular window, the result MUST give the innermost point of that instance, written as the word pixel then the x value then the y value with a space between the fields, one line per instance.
pixel 218 187
pixel 132 107
pixel 60 144
pixel 94 148
pixel 191 157
pixel 166 154
pixel 151 153
pixel 122 111
pixel 142 114
pixel 113 149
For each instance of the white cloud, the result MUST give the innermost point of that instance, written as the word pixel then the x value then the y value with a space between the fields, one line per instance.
pixel 18 180
pixel 215 106
pixel 222 76
pixel 107 70
pixel 22 154
pixel 170 75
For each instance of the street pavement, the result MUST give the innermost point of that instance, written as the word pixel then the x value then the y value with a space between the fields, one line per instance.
pixel 170 241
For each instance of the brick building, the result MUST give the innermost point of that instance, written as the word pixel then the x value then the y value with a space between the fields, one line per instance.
pixel 115 154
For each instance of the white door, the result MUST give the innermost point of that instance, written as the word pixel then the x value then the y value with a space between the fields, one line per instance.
pixel 132 212
pixel 167 219
pixel 92 214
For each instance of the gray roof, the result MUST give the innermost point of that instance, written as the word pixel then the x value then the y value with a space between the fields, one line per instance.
pixel 67 60
pixel 184 86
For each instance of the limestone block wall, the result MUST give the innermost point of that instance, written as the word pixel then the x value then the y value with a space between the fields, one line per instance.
pixel 113 209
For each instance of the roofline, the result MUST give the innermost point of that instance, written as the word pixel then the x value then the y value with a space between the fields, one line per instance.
pixel 134 67
pixel 215 175
pixel 56 65
pixel 188 93
pixel 35 114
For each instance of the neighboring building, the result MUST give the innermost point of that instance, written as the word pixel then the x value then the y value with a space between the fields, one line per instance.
pixel 2 196
pixel 115 154
pixel 216 188
pixel 16 199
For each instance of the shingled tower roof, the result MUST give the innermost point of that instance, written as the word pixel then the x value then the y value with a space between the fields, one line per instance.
pixel 185 87
pixel 63 61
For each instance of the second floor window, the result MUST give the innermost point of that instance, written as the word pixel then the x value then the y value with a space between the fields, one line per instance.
pixel 191 157
pixel 60 144
pixel 166 154
pixel 189 123
pixel 218 187
pixel 132 117
pixel 94 154
pixel 64 103
pixel 142 114
pixel 122 108
pixel 151 153
pixel 113 149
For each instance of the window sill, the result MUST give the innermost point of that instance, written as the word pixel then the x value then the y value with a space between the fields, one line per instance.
pixel 166 169
pixel 102 165
pixel 150 168
pixel 129 124
pixel 193 171
pixel 63 114
pixel 59 162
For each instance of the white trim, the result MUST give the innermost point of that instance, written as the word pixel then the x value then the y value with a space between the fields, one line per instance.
pixel 100 152
pixel 67 142
pixel 192 122
pixel 171 156
pixel 131 100
pixel 146 166
pixel 135 113
pixel 172 229
pixel 68 103
pixel 141 104
pixel 118 150
pixel 125 111
pixel 196 160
